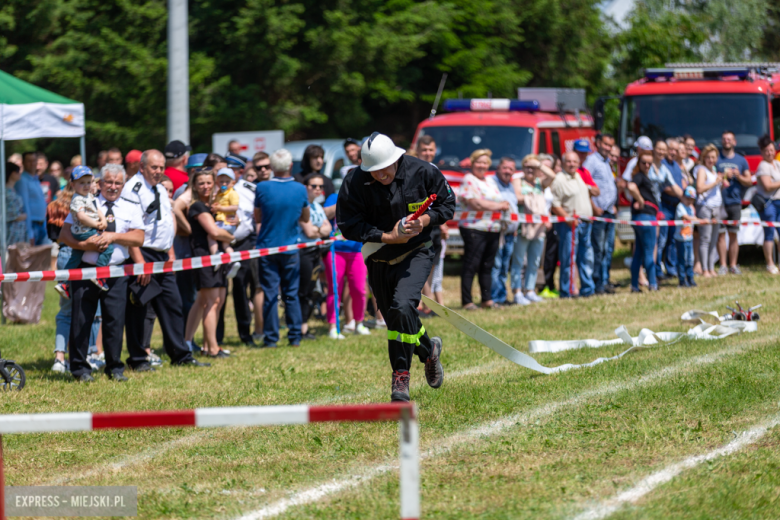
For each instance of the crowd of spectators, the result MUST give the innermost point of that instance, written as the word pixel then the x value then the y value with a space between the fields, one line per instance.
pixel 172 204
pixel 169 204
pixel 666 180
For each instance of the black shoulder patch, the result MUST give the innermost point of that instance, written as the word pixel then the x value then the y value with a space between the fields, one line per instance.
pixel 250 186
pixel 137 187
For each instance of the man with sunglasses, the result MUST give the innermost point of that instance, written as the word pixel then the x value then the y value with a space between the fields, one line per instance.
pixel 262 165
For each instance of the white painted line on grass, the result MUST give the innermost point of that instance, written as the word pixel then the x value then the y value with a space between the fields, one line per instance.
pixel 649 483
pixel 314 494
pixel 489 429
pixel 130 460
pixel 164 447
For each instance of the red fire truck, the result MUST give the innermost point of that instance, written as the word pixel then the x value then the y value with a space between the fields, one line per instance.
pixel 540 121
pixel 702 100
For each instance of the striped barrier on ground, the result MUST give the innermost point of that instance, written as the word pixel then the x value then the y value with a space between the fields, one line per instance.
pixel 405 413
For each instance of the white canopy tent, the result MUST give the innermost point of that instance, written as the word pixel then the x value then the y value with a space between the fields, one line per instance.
pixel 30 112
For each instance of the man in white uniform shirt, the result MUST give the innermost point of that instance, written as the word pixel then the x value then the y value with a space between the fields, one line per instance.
pixel 158 290
pixel 125 229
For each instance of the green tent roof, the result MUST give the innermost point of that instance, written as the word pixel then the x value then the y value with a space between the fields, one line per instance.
pixel 14 91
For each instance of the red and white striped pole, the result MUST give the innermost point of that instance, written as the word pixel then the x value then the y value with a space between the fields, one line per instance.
pixel 405 413
pixel 571 260
pixel 2 482
pixel 410 466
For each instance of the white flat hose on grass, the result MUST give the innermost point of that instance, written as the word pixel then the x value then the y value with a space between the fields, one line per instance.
pixel 702 330
pixel 524 360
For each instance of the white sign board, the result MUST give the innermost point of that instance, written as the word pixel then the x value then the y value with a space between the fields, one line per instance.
pixel 251 142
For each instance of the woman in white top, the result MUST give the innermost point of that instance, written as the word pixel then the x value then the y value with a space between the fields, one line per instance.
pixel 480 237
pixel 708 185
pixel 529 187
pixel 768 177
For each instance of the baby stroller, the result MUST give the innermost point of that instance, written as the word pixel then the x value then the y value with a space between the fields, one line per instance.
pixel 11 375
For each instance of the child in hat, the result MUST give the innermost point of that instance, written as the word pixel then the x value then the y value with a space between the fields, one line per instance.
pixel 88 220
pixel 224 208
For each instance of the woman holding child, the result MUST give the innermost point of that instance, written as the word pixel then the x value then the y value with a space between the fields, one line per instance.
pixel 211 283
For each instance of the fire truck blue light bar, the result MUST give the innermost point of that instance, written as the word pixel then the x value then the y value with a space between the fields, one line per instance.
pixel 490 105
pixel 698 73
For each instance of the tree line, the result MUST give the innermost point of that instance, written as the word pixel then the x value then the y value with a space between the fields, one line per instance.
pixel 337 68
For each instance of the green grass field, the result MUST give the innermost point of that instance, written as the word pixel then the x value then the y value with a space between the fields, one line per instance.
pixel 498 441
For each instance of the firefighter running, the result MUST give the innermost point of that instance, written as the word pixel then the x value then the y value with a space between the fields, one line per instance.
pixel 374 206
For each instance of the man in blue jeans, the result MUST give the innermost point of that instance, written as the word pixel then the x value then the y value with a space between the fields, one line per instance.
pixel 603 206
pixel 502 180
pixel 667 248
pixel 571 198
pixel 280 204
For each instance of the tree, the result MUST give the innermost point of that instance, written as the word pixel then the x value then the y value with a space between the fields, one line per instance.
pixel 326 68
pixel 654 38
pixel 732 30
pixel 735 28
pixel 769 48
pixel 111 56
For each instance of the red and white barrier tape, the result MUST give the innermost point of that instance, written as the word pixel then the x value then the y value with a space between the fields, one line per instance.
pixel 203 417
pixel 117 271
pixel 543 219
pixel 509 217
pixel 405 413
pixel 185 264
pixel 704 222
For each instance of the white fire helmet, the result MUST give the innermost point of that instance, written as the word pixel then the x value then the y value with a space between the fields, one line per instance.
pixel 379 151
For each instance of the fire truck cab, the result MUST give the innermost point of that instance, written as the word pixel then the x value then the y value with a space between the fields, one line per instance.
pixel 702 100
pixel 541 120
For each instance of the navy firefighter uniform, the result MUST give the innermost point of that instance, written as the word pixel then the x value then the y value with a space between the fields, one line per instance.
pixel 368 209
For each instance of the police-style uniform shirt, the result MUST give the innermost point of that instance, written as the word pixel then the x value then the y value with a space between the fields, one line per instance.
pixel 157 212
pixel 246 209
pixel 366 208
pixel 126 217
